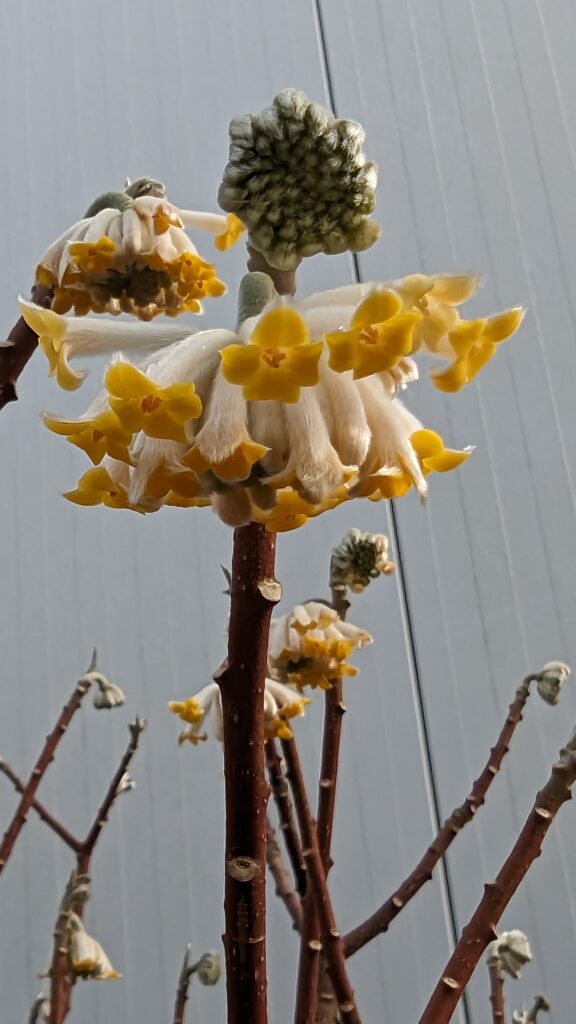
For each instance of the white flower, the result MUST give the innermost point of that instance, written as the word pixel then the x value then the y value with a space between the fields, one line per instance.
pixel 86 957
pixel 131 254
pixel 310 645
pixel 107 695
pixel 203 712
pixel 513 950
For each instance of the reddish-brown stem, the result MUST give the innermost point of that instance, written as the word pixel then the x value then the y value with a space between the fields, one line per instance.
pixel 241 680
pixel 283 801
pixel 41 811
pixel 540 1003
pixel 59 982
pixel 14 357
pixel 87 846
pixel 281 875
pixel 480 929
pixel 381 920
pixel 47 755
pixel 182 990
pixel 331 939
pixel 496 990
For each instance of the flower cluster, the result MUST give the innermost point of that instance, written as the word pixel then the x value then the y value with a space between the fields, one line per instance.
pixel 130 254
pixel 287 416
pixel 299 180
pixel 86 958
pixel 358 559
pixel 310 646
pixel 203 712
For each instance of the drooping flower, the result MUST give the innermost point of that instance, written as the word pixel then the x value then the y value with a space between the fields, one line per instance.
pixel 86 957
pixel 130 254
pixel 299 180
pixel 108 695
pixel 260 422
pixel 310 646
pixel 203 712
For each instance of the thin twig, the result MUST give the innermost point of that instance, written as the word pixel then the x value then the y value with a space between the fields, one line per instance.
pixel 281 875
pixel 283 801
pixel 87 846
pixel 241 680
pixel 480 929
pixel 13 358
pixel 380 921
pixel 41 811
pixel 540 1003
pixel 331 938
pixel 496 989
pixel 43 762
pixel 182 990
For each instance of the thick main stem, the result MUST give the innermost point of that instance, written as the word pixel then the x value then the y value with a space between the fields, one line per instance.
pixel 43 762
pixel 480 929
pixel 241 679
pixel 13 358
pixel 382 918
pixel 331 939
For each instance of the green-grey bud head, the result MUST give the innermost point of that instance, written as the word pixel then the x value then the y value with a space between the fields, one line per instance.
pixel 358 559
pixel 514 951
pixel 299 180
pixel 551 679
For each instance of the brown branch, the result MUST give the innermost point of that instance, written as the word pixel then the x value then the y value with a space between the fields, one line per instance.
pixel 14 357
pixel 41 811
pixel 59 981
pixel 241 680
pixel 283 801
pixel 381 920
pixel 496 989
pixel 39 770
pixel 540 1003
pixel 331 939
pixel 282 880
pixel 480 930
pixel 87 846
pixel 182 990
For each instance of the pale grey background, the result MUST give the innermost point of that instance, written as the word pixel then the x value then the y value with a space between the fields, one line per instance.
pixel 470 111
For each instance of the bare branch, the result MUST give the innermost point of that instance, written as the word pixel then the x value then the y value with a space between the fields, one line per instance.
pixel 282 880
pixel 41 811
pixel 13 358
pixel 283 801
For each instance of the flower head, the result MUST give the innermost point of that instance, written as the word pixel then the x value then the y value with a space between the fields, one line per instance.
pixel 204 712
pixel 130 254
pixel 310 646
pixel 551 679
pixel 261 423
pixel 299 180
pixel 107 694
pixel 358 559
pixel 513 951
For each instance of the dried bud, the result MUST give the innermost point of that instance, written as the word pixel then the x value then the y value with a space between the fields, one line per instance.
pixel 298 179
pixel 551 679
pixel 125 784
pixel 209 968
pixel 86 957
pixel 358 559
pixel 514 951
pixel 108 695
pixel 40 1010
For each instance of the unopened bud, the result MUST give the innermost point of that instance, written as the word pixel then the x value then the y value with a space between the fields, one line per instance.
pixel 550 680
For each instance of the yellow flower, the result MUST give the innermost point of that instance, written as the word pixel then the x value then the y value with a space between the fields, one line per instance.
pixel 94 257
pixel 229 237
pixel 96 487
pixel 102 435
pixel 291 511
pixel 380 336
pixel 236 466
pixel 474 343
pixel 432 457
pixel 277 362
pixel 142 405
pixel 164 218
pixel 188 710
pixel 51 330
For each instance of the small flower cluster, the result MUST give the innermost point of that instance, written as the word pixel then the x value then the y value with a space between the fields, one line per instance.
pixel 130 254
pixel 299 180
pixel 203 712
pixel 359 559
pixel 310 646
pixel 292 413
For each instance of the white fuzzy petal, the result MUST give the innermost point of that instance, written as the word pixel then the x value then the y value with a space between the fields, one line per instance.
pixel 267 426
pixel 225 422
pixel 51 257
pixel 99 225
pixel 312 458
pixel 344 415
pixel 214 222
pixel 391 425
pixel 131 233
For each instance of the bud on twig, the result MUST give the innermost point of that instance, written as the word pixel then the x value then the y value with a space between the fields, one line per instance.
pixel 551 679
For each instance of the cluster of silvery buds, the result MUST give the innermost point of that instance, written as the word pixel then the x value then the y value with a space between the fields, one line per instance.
pixel 299 180
pixel 358 559
pixel 512 950
pixel 208 968
pixel 107 695
pixel 551 679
